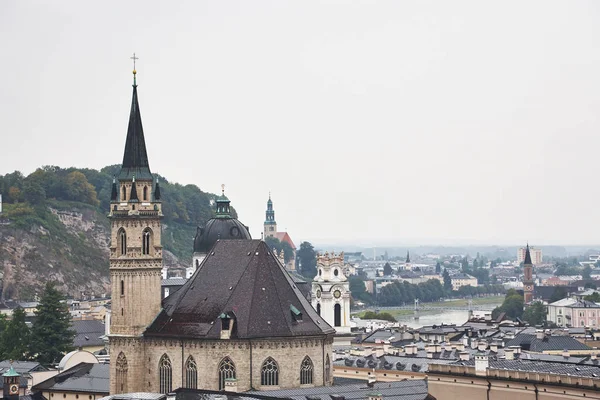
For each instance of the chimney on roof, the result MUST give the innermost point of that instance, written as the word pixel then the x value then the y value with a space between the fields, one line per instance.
pixel 508 354
pixel 481 364
pixel 565 353
pixel 374 396
pixel 593 357
pixel 410 349
pixel 539 334
pixel 516 349
pixel 482 345
pixel 460 346
pixel 464 356
pixel 371 380
pixel 494 347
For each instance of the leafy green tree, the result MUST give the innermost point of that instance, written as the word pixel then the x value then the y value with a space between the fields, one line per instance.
pixel 535 313
pixel 464 264
pixel 383 316
pixel 447 281
pixel 594 297
pixel 51 335
pixel 586 273
pixel 14 339
pixel 307 260
pixel 387 269
pixel 79 189
pixel 278 246
pixel 34 193
pixel 512 305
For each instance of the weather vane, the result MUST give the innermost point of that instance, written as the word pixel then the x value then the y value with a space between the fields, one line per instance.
pixel 223 188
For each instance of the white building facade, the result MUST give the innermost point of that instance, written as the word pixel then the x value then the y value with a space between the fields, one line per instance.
pixel 330 294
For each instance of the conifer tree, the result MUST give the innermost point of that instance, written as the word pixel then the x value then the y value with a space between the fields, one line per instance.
pixel 51 335
pixel 15 337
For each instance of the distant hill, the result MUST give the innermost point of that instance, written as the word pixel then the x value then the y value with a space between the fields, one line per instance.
pixel 54 226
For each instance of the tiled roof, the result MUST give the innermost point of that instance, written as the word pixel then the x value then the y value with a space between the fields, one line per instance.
pixel 83 377
pixel 532 343
pixel 21 367
pixel 415 389
pixel 583 304
pixel 285 237
pixel 88 333
pixel 242 278
pixel 173 282
pixel 589 371
pixel 394 363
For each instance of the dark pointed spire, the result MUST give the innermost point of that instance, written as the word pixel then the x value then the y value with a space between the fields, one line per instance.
pixel 270 213
pixel 527 256
pixel 157 191
pixel 407 257
pixel 113 193
pixel 134 196
pixel 135 158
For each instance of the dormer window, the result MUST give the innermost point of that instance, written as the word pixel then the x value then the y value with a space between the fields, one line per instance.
pixel 296 314
pixel 227 321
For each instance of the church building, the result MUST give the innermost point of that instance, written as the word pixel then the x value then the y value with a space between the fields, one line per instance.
pixel 239 323
pixel 270 230
pixel 528 283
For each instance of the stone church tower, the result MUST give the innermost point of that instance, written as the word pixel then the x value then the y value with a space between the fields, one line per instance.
pixel 330 294
pixel 135 255
pixel 270 225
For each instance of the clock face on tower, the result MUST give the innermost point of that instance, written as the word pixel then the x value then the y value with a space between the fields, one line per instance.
pixel 13 389
pixel 337 294
pixel 529 288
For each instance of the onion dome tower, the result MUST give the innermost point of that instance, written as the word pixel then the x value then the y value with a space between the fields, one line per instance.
pixel 222 227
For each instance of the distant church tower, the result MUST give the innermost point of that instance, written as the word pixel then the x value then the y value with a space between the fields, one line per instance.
pixel 135 257
pixel 528 277
pixel 330 294
pixel 270 226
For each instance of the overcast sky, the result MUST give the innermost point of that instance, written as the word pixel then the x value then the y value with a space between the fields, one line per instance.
pixel 371 122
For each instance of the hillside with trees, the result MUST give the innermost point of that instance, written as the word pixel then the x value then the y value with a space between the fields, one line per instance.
pixel 54 226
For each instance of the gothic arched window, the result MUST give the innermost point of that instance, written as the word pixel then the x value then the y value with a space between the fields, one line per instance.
pixel 122 288
pixel 191 373
pixel 319 308
pixel 306 371
pixel 145 193
pixel 146 241
pixel 122 242
pixel 269 373
pixel 226 371
pixel 165 374
pixel 124 196
pixel 121 373
pixel 327 370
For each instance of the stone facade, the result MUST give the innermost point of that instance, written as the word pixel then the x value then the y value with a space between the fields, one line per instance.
pixel 143 356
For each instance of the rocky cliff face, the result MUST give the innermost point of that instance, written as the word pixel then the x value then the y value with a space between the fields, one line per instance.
pixel 73 252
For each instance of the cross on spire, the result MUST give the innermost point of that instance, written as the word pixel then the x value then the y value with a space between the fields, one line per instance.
pixel 134 58
pixel 223 188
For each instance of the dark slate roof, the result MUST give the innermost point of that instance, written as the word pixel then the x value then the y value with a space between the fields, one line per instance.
pixel 219 229
pixel 173 282
pixel 583 304
pixel 527 256
pixel 532 343
pixel 241 278
pixel 135 158
pixel 396 363
pixel 22 367
pixel 414 389
pixel 88 333
pixel 83 377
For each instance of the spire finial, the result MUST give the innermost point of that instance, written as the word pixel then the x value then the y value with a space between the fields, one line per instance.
pixel 223 189
pixel 134 58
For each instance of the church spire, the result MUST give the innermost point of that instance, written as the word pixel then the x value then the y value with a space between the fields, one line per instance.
pixel 270 213
pixel 135 159
pixel 527 256
pixel 407 257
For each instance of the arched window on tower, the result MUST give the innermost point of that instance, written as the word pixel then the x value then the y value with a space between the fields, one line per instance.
pixel 124 195
pixel 191 373
pixel 122 288
pixel 226 371
pixel 327 370
pixel 122 242
pixel 337 315
pixel 269 373
pixel 306 371
pixel 165 374
pixel 121 373
pixel 146 241
pixel 145 193
pixel 319 308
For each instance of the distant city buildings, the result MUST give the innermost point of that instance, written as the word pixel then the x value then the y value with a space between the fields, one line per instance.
pixel 536 255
